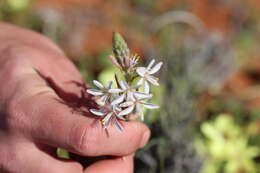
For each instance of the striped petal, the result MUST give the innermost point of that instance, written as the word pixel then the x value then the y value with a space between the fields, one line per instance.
pixel 152 80
pixel 126 111
pixel 150 64
pixel 102 100
pixel 123 84
pixel 141 71
pixel 116 108
pixel 119 125
pixel 105 120
pixel 118 100
pixel 97 112
pixel 150 106
pixel 115 90
pixel 140 96
pixel 98 84
pixel 120 117
pixel 155 68
pixel 95 92
pixel 126 104
pixel 146 87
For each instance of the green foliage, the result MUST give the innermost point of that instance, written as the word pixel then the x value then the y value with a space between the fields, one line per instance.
pixel 18 5
pixel 225 147
pixel 109 73
pixel 63 154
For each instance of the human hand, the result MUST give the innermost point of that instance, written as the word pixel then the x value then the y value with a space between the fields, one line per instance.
pixel 37 80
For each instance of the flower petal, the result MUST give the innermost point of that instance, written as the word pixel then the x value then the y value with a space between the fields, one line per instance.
pixel 150 64
pixel 141 71
pixel 129 96
pixel 155 68
pixel 126 104
pixel 146 87
pixel 118 100
pixel 120 117
pixel 98 84
pixel 123 84
pixel 150 106
pixel 115 90
pixel 106 120
pixel 152 80
pixel 97 112
pixel 141 96
pixel 119 125
pixel 95 92
pixel 115 108
pixel 126 111
pixel 102 100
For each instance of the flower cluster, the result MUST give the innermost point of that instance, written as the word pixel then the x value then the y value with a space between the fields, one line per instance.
pixel 127 100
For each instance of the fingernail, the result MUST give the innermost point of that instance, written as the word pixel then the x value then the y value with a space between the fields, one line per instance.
pixel 145 138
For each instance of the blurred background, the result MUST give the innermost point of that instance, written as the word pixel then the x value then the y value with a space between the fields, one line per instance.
pixel 209 120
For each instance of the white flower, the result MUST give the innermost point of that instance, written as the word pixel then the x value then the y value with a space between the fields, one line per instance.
pixel 136 105
pixel 126 92
pixel 105 93
pixel 146 75
pixel 109 115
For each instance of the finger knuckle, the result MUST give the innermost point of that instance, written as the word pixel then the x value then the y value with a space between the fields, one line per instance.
pixel 14 114
pixel 84 139
pixel 16 62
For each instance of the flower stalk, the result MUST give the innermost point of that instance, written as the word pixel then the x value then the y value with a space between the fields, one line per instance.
pixel 129 98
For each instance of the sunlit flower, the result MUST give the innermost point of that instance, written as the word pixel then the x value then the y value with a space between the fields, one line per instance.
pixel 146 75
pixel 104 92
pixel 136 105
pixel 109 114
pixel 126 92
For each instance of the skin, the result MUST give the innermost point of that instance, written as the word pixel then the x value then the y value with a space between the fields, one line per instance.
pixel 38 86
